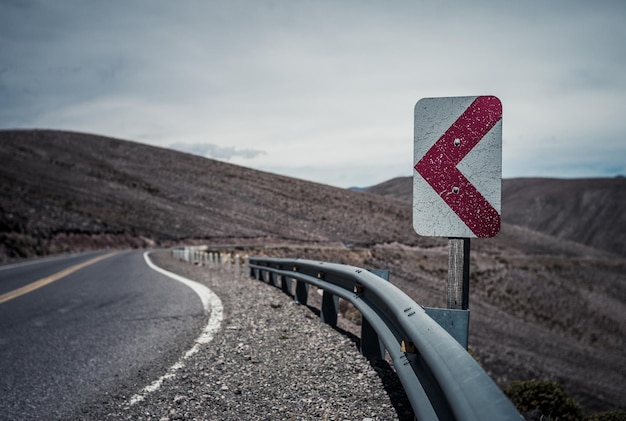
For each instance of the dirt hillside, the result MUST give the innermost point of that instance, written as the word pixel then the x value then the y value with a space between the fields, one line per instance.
pixel 588 211
pixel 63 190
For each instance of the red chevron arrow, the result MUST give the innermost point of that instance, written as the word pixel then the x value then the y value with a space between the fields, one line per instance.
pixel 439 166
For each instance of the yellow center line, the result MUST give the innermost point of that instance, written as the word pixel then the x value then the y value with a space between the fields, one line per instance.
pixel 48 280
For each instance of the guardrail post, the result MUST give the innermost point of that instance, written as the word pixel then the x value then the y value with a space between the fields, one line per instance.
pixel 272 279
pixel 285 284
pixel 330 307
pixel 237 266
pixel 371 346
pixel 302 292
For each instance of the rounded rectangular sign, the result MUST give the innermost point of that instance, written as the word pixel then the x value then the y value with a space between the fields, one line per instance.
pixel 457 175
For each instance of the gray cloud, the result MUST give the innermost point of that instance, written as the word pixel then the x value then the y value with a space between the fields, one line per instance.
pixel 293 84
pixel 210 150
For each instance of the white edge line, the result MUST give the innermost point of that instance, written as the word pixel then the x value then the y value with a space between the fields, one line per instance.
pixel 212 305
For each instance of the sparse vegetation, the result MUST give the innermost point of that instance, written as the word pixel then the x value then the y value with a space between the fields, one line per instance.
pixel 539 400
pixel 547 400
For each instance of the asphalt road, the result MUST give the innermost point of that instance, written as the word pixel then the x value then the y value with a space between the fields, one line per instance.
pixel 106 329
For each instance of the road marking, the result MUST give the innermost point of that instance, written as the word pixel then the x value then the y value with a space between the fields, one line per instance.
pixel 49 279
pixel 212 305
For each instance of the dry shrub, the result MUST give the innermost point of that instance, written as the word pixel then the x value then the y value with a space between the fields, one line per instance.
pixel 538 399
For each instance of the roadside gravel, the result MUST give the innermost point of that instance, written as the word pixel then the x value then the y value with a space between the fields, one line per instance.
pixel 272 359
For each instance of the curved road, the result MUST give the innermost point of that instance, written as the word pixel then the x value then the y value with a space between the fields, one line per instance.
pixel 72 339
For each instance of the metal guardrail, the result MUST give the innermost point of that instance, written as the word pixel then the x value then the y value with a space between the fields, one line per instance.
pixel 441 379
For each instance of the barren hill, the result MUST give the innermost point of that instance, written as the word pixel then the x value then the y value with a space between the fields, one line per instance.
pixel 589 211
pixel 542 306
pixel 63 190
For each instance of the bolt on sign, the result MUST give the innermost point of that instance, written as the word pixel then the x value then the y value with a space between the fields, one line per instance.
pixel 457 181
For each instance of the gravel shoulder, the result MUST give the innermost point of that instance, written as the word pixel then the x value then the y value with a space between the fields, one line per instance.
pixel 272 359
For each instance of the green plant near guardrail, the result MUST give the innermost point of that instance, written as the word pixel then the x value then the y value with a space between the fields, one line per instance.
pixel 543 400
pixel 548 401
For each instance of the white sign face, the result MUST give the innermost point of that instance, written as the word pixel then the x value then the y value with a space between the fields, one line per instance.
pixel 457 177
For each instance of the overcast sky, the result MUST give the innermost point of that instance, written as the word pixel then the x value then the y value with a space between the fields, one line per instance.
pixel 317 89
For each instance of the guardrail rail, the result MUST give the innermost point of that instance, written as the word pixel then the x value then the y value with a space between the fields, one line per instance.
pixel 441 379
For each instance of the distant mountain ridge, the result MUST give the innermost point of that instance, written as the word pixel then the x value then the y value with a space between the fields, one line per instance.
pixel 588 211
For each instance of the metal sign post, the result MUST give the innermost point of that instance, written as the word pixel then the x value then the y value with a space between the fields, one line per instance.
pixel 458 273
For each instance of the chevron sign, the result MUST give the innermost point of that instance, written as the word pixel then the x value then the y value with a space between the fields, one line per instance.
pixel 458 167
